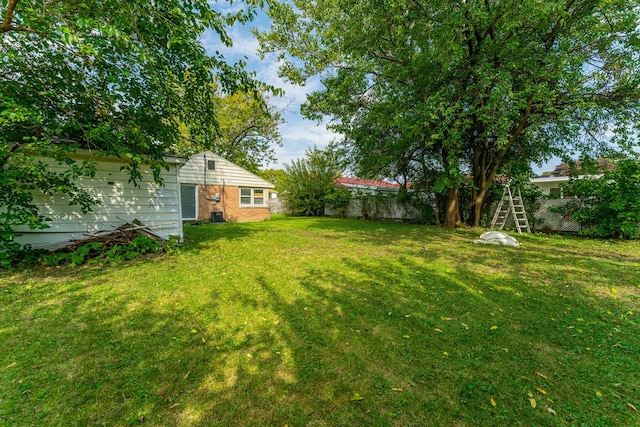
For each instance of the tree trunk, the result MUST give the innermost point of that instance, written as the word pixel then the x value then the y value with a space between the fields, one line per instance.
pixel 477 204
pixel 452 218
pixel 437 199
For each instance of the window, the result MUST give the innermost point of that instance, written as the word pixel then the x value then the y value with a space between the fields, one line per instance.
pixel 245 197
pixel 252 197
pixel 189 201
pixel 566 192
pixel 211 165
pixel 258 197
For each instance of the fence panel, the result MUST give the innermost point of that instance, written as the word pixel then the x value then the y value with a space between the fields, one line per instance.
pixel 545 219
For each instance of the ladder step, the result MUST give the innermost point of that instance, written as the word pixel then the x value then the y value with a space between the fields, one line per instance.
pixel 511 205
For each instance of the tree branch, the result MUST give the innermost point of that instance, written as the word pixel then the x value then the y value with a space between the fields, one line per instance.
pixel 8 16
pixel 8 19
pixel 522 125
pixel 243 133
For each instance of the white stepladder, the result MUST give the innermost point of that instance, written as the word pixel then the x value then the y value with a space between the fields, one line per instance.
pixel 510 205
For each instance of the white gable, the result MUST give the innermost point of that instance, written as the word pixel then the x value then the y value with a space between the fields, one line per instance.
pixel 225 173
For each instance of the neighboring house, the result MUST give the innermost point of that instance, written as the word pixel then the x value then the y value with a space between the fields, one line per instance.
pixel 372 199
pixel 214 188
pixel 564 169
pixel 156 206
pixel 367 185
pixel 553 184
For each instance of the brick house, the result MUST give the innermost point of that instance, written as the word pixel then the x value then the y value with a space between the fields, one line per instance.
pixel 214 188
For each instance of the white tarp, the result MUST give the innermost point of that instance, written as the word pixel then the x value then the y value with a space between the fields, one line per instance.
pixel 497 238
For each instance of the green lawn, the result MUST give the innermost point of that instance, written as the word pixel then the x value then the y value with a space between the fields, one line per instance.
pixel 327 322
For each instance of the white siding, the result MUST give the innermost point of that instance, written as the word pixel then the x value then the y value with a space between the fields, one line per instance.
pixel 547 183
pixel 225 173
pixel 156 206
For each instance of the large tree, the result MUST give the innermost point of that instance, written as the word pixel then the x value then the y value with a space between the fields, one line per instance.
pixel 117 77
pixel 472 85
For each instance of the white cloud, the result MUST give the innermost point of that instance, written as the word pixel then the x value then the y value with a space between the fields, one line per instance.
pixel 224 6
pixel 298 134
pixel 294 95
pixel 244 44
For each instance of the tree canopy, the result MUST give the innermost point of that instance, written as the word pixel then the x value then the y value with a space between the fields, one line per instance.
pixel 441 90
pixel 274 176
pixel 309 183
pixel 117 77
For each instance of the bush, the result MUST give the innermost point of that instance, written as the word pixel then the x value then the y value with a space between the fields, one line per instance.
pixel 308 183
pixel 339 199
pixel 609 206
pixel 91 251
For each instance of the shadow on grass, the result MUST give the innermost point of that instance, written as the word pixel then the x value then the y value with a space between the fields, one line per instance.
pixel 203 237
pixel 77 359
pixel 454 340
pixel 396 329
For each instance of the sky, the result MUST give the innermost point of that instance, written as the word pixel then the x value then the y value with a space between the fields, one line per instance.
pixel 298 133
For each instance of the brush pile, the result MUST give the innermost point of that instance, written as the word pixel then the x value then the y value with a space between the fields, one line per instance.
pixel 122 235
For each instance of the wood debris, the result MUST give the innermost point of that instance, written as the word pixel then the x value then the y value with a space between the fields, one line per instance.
pixel 123 234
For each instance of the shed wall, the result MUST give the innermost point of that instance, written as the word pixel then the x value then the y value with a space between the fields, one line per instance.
pixel 156 206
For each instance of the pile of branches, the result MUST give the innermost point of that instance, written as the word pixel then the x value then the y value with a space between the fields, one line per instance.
pixel 126 242
pixel 123 235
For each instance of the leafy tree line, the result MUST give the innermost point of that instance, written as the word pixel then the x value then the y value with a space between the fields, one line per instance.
pixel 124 78
pixel 435 92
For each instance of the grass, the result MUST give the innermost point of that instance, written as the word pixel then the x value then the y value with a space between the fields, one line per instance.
pixel 326 322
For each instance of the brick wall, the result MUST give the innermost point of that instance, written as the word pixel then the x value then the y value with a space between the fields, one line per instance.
pixel 229 204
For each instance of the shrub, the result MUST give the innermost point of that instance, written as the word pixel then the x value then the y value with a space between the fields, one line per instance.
pixel 309 182
pixel 339 199
pixel 609 206
pixel 90 251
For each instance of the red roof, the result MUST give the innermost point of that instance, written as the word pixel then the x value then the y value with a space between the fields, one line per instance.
pixel 344 181
pixel 564 169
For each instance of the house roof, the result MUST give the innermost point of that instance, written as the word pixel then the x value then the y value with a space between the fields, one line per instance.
pixel 564 169
pixel 344 181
